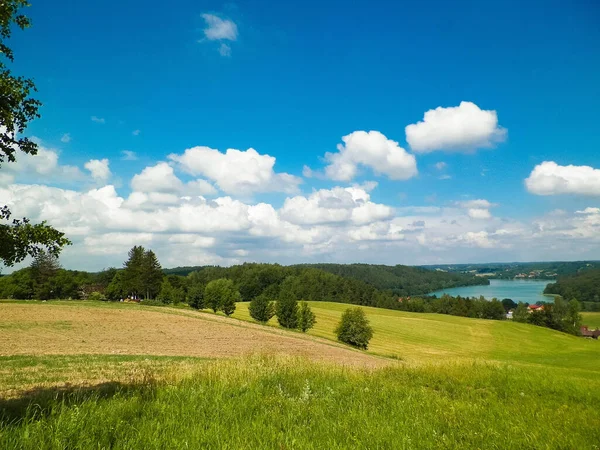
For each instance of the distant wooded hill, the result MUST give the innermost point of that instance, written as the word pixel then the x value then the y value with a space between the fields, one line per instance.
pixel 537 270
pixel 400 280
pixel 583 286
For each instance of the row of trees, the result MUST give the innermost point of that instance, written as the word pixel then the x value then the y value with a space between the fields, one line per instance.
pixel 584 286
pixel 290 314
pixel 456 306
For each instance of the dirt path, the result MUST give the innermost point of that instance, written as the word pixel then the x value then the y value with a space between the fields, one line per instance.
pixel 62 329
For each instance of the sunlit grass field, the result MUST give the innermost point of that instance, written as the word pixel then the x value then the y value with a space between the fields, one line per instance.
pixel 419 338
pixel 451 383
pixel 591 319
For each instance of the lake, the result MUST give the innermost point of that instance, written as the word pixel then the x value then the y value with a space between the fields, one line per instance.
pixel 529 291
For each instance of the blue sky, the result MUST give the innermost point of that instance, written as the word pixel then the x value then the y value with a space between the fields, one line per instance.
pixel 290 79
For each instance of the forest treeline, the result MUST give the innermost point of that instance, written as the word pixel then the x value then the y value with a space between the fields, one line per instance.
pixel 583 286
pixel 399 280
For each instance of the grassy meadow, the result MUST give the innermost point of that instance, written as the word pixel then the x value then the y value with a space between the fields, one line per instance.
pixel 449 382
pixel 591 319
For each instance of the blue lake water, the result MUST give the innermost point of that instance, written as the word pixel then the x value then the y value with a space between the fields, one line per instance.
pixel 529 291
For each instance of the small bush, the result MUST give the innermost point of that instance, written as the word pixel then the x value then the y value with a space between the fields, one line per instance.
pixel 306 318
pixel 354 328
pixel 261 309
pixel 97 296
pixel 196 297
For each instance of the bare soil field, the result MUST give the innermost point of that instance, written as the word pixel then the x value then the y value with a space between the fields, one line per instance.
pixel 62 329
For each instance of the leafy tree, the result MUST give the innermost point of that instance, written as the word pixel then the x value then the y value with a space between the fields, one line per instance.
pixel 178 295
pixel 221 294
pixel 231 297
pixel 508 304
pixel 573 318
pixel 354 328
pixel 494 310
pixel 167 293
pixel 44 268
pixel 151 275
pixel 115 290
pixel 261 309
pixel 521 314
pixel 286 310
pixel 196 297
pixel 20 238
pixel 306 318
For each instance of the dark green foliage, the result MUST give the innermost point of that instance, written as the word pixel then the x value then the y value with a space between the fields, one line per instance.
pixel 221 294
pixel 306 318
pixel 354 328
pixel 115 289
pixel 286 310
pixel 20 238
pixel 401 280
pixel 584 286
pixel 142 274
pixel 508 304
pixel 196 297
pixel 521 314
pixel 167 293
pixel 228 303
pixel 97 297
pixel 261 309
pixel 493 310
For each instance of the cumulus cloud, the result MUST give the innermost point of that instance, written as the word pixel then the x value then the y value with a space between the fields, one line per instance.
pixel 158 178
pixel 236 171
pixel 462 128
pixel 548 178
pixel 99 169
pixel 337 205
pixel 218 29
pixel 46 164
pixel 477 209
pixel 373 150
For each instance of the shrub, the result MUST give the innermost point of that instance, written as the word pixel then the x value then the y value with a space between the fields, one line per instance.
pixel 306 318
pixel 354 328
pixel 228 303
pixel 167 293
pixel 287 312
pixel 97 296
pixel 261 309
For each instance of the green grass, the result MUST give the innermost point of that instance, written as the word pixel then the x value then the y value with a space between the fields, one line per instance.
pixel 274 404
pixel 591 319
pixel 460 383
pixel 418 338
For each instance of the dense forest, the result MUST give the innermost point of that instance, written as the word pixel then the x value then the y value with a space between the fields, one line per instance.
pixel 583 286
pixel 400 280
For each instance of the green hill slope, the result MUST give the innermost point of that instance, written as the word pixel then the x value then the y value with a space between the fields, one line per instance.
pixel 417 338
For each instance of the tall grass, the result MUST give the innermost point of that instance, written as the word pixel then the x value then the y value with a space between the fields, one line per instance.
pixel 266 403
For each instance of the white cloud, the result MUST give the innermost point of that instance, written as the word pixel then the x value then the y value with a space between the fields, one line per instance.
pixel 589 210
pixel 477 209
pixel 441 165
pixel 99 169
pixel 548 178
pixel 136 132
pixel 128 155
pixel 462 128
pixel 98 119
pixel 66 138
pixel 235 171
pixel 44 164
pixel 373 150
pixel 225 50
pixel 217 28
pixel 158 178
